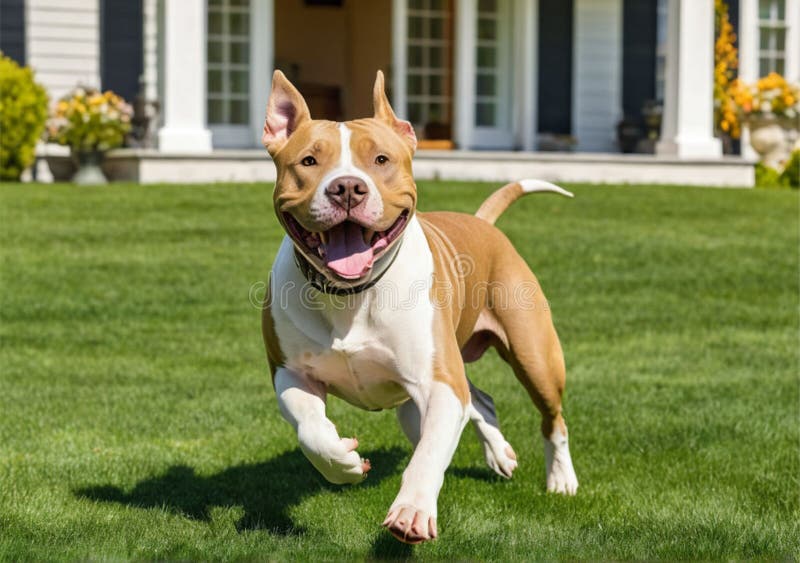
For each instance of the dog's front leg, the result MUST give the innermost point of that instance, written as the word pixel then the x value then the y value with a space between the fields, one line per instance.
pixel 302 404
pixel 412 517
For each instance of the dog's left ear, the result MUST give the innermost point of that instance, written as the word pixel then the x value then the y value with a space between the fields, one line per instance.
pixel 384 112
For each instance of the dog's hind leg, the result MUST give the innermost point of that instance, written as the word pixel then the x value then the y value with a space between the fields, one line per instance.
pixel 410 419
pixel 534 352
pixel 499 454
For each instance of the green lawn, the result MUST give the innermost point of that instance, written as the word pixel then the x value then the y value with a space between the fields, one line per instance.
pixel 137 419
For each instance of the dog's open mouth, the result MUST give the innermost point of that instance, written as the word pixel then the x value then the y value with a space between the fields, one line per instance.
pixel 347 249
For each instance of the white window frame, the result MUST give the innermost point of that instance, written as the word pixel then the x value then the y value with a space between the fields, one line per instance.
pixel 501 134
pixel 229 134
pixel 261 44
pixel 772 54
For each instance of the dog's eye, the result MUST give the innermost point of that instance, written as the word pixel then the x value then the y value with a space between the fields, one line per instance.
pixel 381 159
pixel 308 161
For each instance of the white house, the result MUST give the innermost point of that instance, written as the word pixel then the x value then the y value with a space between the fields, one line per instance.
pixel 502 75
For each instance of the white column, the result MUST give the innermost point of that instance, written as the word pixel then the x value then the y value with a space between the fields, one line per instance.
pixel 748 59
pixel 793 40
pixel 464 82
pixel 399 57
pixel 687 128
pixel 262 63
pixel 526 46
pixel 183 73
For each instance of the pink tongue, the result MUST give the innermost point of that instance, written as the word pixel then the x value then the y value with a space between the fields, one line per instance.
pixel 346 252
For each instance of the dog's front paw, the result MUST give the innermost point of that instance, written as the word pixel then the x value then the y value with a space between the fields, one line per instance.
pixel 341 464
pixel 410 525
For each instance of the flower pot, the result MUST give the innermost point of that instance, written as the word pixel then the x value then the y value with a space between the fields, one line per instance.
pixel 62 167
pixel 89 171
pixel 772 138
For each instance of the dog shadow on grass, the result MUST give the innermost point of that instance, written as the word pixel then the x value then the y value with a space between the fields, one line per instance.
pixel 266 491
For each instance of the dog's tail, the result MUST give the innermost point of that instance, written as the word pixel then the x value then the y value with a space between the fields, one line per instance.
pixel 499 201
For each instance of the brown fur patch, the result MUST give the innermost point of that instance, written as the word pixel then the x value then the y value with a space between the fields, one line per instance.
pixel 483 273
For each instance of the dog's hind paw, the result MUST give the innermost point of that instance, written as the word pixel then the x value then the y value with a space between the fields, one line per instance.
pixel 562 480
pixel 500 458
pixel 561 476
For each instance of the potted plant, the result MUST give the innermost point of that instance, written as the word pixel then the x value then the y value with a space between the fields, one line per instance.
pixel 770 109
pixel 91 123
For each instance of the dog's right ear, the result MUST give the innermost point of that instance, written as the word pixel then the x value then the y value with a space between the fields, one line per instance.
pixel 286 111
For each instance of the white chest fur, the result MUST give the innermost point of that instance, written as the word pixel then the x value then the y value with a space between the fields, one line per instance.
pixel 373 349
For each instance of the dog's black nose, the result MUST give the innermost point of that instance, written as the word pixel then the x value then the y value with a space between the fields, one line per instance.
pixel 346 191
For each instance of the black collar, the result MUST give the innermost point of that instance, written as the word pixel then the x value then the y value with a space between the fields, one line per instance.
pixel 322 284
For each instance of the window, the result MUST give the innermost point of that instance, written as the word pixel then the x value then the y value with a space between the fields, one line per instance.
pixel 772 36
pixel 493 127
pixel 228 52
pixel 487 59
pixel 429 74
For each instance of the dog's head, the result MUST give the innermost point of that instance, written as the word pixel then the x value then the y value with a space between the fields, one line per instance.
pixel 344 191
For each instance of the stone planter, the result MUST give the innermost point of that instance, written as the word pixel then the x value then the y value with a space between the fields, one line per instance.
pixel 89 171
pixel 85 169
pixel 773 138
pixel 62 167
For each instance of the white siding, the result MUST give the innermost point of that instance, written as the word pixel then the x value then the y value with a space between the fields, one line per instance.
pixel 597 74
pixel 63 43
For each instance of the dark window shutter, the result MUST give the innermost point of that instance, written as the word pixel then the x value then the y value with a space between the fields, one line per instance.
pixel 639 19
pixel 121 47
pixel 733 15
pixel 555 66
pixel 12 29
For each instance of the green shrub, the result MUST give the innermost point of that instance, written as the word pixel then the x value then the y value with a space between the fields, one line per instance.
pixel 23 111
pixel 791 174
pixel 767 177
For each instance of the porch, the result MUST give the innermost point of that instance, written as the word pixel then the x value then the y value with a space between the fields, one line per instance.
pixel 149 166
pixel 473 74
